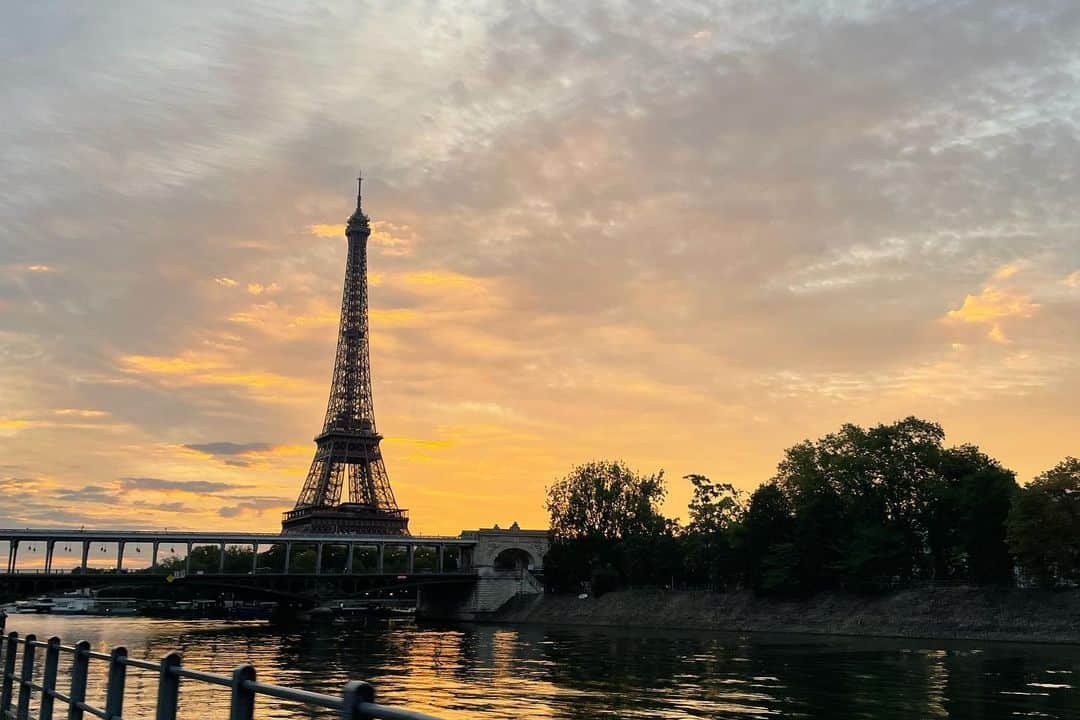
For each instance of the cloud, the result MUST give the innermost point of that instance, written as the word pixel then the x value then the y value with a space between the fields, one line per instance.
pixel 751 224
pixel 186 486
pixel 229 448
pixel 256 505
pixel 259 289
pixel 324 230
pixel 992 305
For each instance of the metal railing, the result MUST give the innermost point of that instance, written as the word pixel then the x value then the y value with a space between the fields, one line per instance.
pixel 356 702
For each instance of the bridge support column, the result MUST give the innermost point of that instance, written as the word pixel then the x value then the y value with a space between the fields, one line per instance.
pixel 187 561
pixel 318 559
pixel 153 556
pixel 411 564
pixel 85 555
pixel 379 560
pixel 288 554
pixel 442 557
pixel 13 553
pixel 119 556
pixel 255 558
pixel 348 560
pixel 221 561
pixel 50 546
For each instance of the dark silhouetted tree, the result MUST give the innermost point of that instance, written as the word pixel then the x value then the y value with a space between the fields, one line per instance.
pixel 1044 525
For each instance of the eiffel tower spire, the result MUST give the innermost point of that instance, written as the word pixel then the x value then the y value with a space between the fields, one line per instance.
pixel 347 450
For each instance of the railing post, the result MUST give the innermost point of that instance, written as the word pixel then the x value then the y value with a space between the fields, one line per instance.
pixel 80 665
pixel 48 680
pixel 114 693
pixel 22 711
pixel 9 672
pixel 355 694
pixel 168 695
pixel 242 706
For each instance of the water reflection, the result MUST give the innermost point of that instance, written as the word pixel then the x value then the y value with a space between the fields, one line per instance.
pixel 536 672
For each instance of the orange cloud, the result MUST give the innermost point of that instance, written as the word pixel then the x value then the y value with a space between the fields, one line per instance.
pixel 327 231
pixel 76 412
pixel 1072 280
pixel 41 268
pixel 190 369
pixel 259 288
pixel 1006 271
pixel 391 239
pixel 225 282
pixel 992 305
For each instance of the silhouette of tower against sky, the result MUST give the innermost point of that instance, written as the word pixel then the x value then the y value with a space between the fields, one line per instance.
pixel 347 456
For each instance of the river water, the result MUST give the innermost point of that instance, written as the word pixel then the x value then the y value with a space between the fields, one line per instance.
pixel 485 671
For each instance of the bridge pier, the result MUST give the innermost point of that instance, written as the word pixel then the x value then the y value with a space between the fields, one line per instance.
pixel 506 563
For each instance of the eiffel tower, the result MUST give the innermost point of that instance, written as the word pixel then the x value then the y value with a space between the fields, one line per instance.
pixel 347 449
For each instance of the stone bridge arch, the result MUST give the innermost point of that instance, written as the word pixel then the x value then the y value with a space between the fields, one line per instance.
pixel 512 548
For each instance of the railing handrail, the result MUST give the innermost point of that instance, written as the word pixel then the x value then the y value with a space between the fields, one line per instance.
pixel 356 702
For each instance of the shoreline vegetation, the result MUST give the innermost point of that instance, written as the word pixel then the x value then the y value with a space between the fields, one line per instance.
pixel 951 613
pixel 865 531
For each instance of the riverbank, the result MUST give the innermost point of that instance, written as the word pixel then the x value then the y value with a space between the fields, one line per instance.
pixel 951 613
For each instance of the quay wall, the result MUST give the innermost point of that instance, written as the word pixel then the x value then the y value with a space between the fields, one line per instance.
pixel 947 613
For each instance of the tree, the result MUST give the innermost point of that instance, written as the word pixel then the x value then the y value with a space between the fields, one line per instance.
pixel 860 500
pixel 1044 525
pixel 765 541
pixel 967 515
pixel 708 543
pixel 606 521
pixel 605 500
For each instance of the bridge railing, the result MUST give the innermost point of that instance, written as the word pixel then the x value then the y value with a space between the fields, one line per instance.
pixel 356 702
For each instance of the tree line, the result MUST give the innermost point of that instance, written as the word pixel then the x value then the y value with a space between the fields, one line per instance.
pixel 860 509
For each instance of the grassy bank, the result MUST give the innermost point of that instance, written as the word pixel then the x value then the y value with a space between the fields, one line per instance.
pixel 957 613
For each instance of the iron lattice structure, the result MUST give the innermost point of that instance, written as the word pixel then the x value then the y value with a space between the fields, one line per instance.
pixel 347 453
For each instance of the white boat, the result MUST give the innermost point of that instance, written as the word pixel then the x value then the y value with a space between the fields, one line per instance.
pixel 37 605
pixel 72 604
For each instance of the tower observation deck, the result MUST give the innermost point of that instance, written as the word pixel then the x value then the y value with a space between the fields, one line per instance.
pixel 347 452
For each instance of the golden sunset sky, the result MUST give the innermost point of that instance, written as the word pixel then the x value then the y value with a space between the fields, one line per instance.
pixel 685 235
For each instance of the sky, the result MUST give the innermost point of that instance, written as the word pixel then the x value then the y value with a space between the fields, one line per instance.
pixel 685 235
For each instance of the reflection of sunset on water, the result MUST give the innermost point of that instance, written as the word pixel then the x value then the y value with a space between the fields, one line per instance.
pixel 533 672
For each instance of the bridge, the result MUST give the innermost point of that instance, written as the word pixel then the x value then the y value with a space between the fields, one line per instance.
pixel 466 575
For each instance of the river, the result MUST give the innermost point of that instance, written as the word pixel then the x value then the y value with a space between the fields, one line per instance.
pixel 487 671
